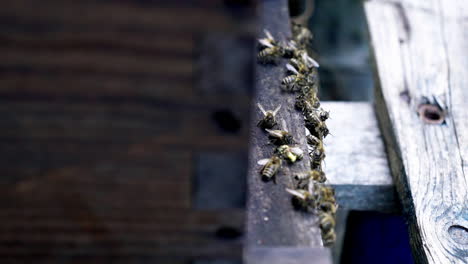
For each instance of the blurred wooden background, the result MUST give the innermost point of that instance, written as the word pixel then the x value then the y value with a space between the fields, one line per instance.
pixel 112 113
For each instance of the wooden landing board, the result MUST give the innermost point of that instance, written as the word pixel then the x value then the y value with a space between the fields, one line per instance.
pixel 421 52
pixel 356 166
pixel 271 221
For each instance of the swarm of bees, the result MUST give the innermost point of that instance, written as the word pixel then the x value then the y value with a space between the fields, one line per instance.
pixel 310 191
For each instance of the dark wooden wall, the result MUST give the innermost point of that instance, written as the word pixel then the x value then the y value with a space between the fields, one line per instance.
pixel 105 107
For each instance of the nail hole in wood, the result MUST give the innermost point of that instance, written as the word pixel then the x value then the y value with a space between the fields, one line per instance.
pixel 431 114
pixel 228 233
pixel 227 120
pixel 459 234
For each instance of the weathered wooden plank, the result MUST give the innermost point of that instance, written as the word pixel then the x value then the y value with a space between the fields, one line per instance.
pixel 420 50
pixel 288 255
pixel 114 15
pixel 272 223
pixel 103 113
pixel 93 232
pixel 356 164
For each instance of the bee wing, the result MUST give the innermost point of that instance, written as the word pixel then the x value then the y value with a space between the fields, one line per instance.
pixel 296 193
pixel 275 133
pixel 263 161
pixel 285 127
pixel 266 43
pixel 307 59
pixel 291 68
pixel 276 110
pixel 261 108
pixel 268 34
pixel 292 44
pixel 297 151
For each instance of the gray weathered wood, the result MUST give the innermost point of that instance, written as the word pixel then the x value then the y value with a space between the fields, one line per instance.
pixel 271 221
pixel 356 164
pixel 288 255
pixel 421 53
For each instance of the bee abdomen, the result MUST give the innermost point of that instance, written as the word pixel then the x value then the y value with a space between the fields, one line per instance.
pixel 268 171
pixel 288 80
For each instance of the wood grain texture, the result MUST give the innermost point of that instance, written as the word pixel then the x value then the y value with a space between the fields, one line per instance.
pixel 272 222
pixel 356 164
pixel 102 118
pixel 420 50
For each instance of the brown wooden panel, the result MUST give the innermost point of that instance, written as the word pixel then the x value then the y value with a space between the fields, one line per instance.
pixel 101 116
pixel 112 15
pixel 136 43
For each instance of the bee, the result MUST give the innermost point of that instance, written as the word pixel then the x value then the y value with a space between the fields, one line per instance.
pixel 306 59
pixel 306 99
pixel 291 154
pixel 301 34
pixel 279 137
pixel 314 124
pixel 268 41
pixel 316 152
pixel 326 222
pixel 325 192
pixel 323 115
pixel 313 141
pixel 270 167
pixel 327 227
pixel 322 129
pixel 270 54
pixel 316 175
pixel 316 158
pixel 326 201
pixel 268 120
pixel 302 199
pixel 295 81
pixel 271 49
pixel 304 63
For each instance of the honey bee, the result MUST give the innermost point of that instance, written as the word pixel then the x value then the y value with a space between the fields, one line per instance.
pixel 268 120
pixel 325 192
pixel 322 129
pixel 270 167
pixel 316 158
pixel 314 124
pixel 324 115
pixel 295 81
pixel 306 99
pixel 279 137
pixel 313 141
pixel 271 49
pixel 301 34
pixel 327 227
pixel 268 41
pixel 326 201
pixel 306 59
pixel 291 154
pixel 326 221
pixel 304 63
pixel 270 54
pixel 302 199
pixel 317 154
pixel 316 175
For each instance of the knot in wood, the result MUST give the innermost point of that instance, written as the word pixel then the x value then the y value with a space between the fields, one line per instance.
pixel 459 234
pixel 431 114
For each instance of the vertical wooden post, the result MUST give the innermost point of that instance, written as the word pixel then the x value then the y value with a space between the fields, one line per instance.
pixel 272 224
pixel 421 53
